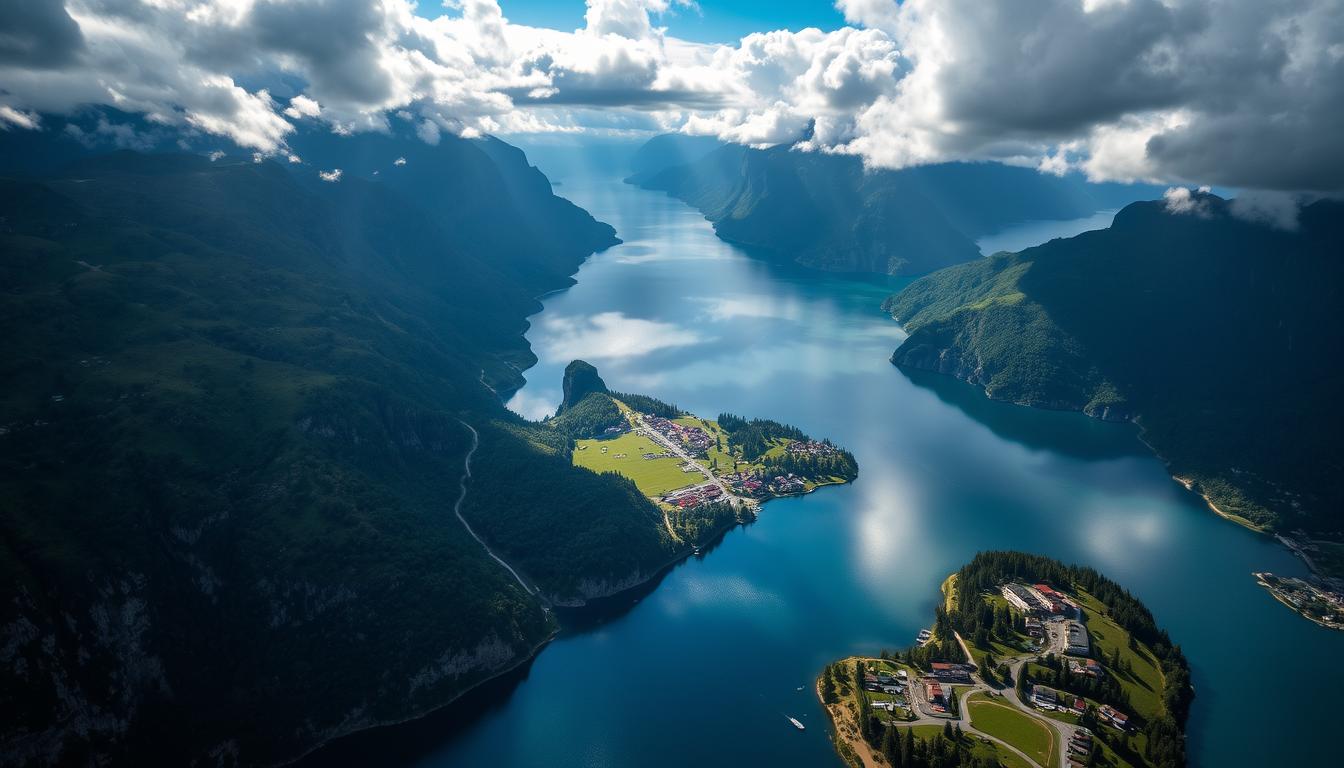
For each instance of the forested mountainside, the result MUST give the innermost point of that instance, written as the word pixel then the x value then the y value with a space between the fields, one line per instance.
pixel 828 212
pixel 1216 334
pixel 238 406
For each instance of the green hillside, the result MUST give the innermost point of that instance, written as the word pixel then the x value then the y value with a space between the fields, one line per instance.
pixel 237 408
pixel 1215 334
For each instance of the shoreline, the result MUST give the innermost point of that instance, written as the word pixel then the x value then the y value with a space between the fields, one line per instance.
pixel 665 567
pixel 1188 483
pixel 1282 597
pixel 524 658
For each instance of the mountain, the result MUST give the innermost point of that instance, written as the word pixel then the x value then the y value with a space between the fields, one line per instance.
pixel 581 380
pixel 829 212
pixel 1214 333
pixel 669 150
pixel 239 408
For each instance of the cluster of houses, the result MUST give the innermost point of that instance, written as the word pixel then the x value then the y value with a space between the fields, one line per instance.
pixel 1114 717
pixel 1040 600
pixel 1085 667
pixel 1049 699
pixel 1080 747
pixel 885 682
pixel 810 448
pixel 696 440
pixel 936 695
pixel 949 673
pixel 756 484
pixel 939 678
pixel 686 498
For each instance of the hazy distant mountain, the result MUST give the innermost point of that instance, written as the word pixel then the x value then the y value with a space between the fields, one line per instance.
pixel 826 211
pixel 1219 336
pixel 669 150
pixel 233 429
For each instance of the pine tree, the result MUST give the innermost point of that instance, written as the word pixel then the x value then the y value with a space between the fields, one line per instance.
pixel 947 730
pixel 891 746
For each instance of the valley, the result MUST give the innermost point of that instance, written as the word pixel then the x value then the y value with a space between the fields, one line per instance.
pixel 946 472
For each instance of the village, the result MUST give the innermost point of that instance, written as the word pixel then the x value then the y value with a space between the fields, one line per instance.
pixel 698 448
pixel 1047 727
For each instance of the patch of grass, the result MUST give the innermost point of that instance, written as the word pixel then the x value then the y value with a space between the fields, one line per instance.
pixel 1143 682
pixel 1003 721
pixel 654 477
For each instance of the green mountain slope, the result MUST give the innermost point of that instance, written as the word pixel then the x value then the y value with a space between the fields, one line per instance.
pixel 1215 334
pixel 237 411
pixel 828 212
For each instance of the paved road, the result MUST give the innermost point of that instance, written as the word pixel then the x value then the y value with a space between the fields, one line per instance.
pixel 671 445
pixel 1065 731
pixel 457 510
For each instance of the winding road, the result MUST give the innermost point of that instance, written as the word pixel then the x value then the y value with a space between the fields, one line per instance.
pixel 462 496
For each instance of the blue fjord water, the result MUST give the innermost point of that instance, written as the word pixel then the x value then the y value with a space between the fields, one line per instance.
pixel 702 666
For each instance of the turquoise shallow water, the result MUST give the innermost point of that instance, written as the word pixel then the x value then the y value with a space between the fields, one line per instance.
pixel 702 667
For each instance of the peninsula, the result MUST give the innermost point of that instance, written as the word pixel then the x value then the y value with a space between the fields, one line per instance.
pixel 703 475
pixel 1030 663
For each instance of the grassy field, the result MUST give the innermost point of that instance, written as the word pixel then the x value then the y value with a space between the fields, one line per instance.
pixel 1144 683
pixel 653 476
pixel 1003 721
pixel 1005 757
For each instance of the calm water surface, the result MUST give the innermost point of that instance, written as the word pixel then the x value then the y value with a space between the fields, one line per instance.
pixel 702 668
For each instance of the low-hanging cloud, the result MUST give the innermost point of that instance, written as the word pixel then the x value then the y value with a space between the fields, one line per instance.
pixel 1195 92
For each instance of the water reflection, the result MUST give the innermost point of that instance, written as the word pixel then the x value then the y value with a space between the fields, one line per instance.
pixel 698 666
pixel 1065 433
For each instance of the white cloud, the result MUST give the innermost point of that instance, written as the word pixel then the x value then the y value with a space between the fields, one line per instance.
pixel 1186 91
pixel 1181 201
pixel 11 117
pixel 302 106
pixel 333 176
pixel 399 161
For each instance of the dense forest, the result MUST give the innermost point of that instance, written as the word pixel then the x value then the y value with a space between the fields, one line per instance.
pixel 239 401
pixel 1207 329
pixel 755 437
pixel 830 212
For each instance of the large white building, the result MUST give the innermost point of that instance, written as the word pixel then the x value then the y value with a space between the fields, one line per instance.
pixel 1018 597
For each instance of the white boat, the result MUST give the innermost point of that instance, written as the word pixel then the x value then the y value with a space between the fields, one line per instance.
pixel 797 724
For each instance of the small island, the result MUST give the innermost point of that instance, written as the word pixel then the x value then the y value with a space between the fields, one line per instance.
pixel 1029 663
pixel 705 475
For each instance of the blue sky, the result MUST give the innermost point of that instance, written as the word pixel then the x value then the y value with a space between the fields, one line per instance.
pixel 718 21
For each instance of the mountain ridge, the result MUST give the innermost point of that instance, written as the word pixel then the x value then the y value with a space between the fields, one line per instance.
pixel 1156 320
pixel 232 433
pixel 830 212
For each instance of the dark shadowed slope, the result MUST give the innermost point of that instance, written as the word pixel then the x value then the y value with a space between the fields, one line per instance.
pixel 1218 335
pixel 234 425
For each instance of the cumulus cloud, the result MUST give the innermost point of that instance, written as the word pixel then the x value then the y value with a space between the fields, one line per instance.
pixel 1183 91
pixel 1181 201
pixel 333 176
